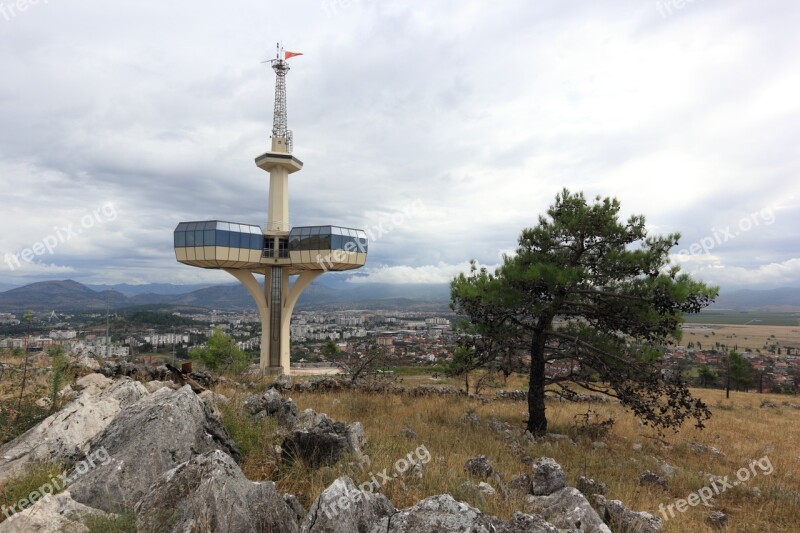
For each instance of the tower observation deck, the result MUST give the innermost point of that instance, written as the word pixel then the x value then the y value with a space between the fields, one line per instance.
pixel 288 258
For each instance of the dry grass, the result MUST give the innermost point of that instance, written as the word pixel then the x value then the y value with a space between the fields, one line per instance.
pixel 739 428
pixel 750 337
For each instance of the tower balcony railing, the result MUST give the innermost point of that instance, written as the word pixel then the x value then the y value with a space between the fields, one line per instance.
pixel 270 253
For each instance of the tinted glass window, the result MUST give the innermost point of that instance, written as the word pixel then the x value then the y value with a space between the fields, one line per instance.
pixel 189 238
pixel 235 239
pixel 180 239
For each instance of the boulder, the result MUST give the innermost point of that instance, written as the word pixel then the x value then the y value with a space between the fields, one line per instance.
pixel 470 419
pixel 650 478
pixel 486 489
pixel 621 518
pixel 667 469
pixel 308 419
pixel 479 467
pixel 271 403
pixel 408 433
pixel 520 486
pixel 214 400
pixel 324 443
pixel 98 381
pixel 440 513
pixel 567 508
pixel 496 425
pixel 344 508
pixel 153 386
pixel 547 477
pixel 717 519
pixel 525 523
pixel 589 486
pixel 84 360
pixel 210 493
pixel 146 439
pixel 64 436
pixel 51 514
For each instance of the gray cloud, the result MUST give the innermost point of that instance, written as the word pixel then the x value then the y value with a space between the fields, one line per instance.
pixel 480 112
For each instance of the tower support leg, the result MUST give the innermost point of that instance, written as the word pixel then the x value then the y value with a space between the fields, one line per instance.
pixel 275 305
pixel 268 365
pixel 297 288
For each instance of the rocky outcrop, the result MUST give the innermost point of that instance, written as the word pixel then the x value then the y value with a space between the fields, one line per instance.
pixel 590 487
pixel 271 403
pixel 343 508
pixel 210 493
pixel 547 477
pixel 479 467
pixel 167 457
pixel 652 479
pixel 323 443
pixel 64 436
pixel 525 523
pixel 146 439
pixel 623 519
pixel 440 513
pixel 567 508
pixel 52 514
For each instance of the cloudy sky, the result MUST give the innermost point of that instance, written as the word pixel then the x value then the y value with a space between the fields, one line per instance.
pixel 443 127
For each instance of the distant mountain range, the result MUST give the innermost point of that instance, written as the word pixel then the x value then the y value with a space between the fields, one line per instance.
pixel 70 295
pixel 785 299
pixel 155 288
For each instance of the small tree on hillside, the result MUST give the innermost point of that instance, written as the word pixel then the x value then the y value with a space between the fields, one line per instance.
pixel 591 294
pixel 330 349
pixel 706 376
pixel 738 373
pixel 220 353
pixel 462 363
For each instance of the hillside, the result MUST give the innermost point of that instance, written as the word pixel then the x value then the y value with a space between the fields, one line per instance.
pixel 70 295
pixel 58 295
pixel 332 293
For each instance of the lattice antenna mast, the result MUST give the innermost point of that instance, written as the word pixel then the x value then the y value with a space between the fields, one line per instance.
pixel 280 126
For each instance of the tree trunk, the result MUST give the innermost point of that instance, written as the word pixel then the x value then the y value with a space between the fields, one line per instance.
pixel 537 420
pixel 728 379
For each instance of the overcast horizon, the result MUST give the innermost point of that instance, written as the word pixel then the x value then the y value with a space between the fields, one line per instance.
pixel 443 129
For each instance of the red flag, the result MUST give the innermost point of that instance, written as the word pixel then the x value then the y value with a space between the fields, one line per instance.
pixel 292 54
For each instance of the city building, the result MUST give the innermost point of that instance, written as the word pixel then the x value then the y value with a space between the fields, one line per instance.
pixel 278 251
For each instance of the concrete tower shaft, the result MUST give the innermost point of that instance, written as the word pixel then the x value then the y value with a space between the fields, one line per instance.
pixel 277 252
